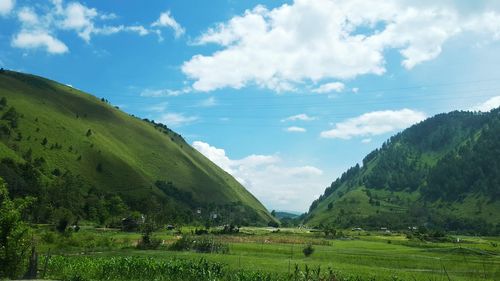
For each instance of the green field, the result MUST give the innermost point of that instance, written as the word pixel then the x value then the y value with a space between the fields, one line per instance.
pixel 362 255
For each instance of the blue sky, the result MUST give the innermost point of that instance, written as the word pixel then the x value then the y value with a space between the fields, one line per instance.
pixel 284 95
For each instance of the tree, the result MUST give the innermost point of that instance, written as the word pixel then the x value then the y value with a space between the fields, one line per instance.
pixel 44 141
pixel 89 133
pixel 12 116
pixel 273 213
pixel 98 168
pixel 3 103
pixel 14 235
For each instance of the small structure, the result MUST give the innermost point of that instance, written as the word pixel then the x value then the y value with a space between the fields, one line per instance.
pixel 357 229
pixel 170 227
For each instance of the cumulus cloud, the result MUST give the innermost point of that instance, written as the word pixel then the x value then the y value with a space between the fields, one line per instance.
pixel 299 117
pixel 27 16
pixel 33 40
pixel 311 40
pixel 374 123
pixel 294 129
pixel 167 20
pixel 277 185
pixel 6 6
pixel 329 87
pixel 488 105
pixel 47 21
pixel 176 119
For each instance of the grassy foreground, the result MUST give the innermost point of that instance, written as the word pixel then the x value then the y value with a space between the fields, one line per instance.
pixel 259 254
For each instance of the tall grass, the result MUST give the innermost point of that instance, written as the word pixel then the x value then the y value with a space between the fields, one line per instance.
pixel 80 268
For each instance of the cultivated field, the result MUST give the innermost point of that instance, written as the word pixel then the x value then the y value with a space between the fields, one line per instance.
pixel 267 254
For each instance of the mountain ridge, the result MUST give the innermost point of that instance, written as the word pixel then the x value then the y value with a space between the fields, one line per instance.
pixel 143 162
pixel 441 172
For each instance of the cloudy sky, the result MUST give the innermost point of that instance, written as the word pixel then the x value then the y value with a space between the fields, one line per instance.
pixel 284 95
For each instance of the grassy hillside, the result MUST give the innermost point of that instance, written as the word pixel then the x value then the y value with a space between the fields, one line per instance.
pixel 443 173
pixel 74 132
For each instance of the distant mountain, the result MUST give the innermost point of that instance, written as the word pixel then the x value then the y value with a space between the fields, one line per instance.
pixel 443 173
pixel 286 214
pixel 85 159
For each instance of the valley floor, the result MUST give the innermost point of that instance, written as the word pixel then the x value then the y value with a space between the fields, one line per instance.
pixel 359 256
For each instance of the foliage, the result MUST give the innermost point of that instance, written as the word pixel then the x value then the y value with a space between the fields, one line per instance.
pixel 15 240
pixel 140 268
pixel 201 244
pixel 308 250
pixel 148 242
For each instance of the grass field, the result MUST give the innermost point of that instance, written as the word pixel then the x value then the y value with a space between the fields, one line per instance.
pixel 362 255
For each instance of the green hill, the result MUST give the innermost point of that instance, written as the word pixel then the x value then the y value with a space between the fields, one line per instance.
pixel 78 154
pixel 443 173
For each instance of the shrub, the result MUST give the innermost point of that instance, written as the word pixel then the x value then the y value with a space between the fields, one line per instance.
pixel 14 235
pixel 200 231
pixel 200 245
pixel 148 242
pixel 308 250
pixel 183 244
pixel 209 245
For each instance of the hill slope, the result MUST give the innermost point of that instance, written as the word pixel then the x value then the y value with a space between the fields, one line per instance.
pixel 443 172
pixel 60 134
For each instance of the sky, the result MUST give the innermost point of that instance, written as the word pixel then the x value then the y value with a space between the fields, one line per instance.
pixel 283 95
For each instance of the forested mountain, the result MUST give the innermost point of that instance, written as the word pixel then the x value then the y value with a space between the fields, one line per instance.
pixel 84 159
pixel 443 173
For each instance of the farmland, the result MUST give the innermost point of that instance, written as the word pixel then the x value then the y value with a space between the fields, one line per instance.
pixel 268 254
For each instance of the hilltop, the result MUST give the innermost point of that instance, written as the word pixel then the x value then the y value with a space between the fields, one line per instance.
pixel 441 173
pixel 86 159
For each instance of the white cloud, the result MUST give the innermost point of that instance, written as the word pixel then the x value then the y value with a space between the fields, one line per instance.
pixel 167 20
pixel 46 21
pixel 108 30
pixel 163 92
pixel 176 119
pixel 6 6
pixel 209 102
pixel 277 185
pixel 374 123
pixel 329 87
pixel 488 105
pixel 299 117
pixel 294 129
pixel 79 18
pixel 367 140
pixel 159 107
pixel 27 16
pixel 33 40
pixel 355 90
pixel 311 40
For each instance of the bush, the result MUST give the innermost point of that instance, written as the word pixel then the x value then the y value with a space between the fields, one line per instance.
pixel 200 231
pixel 200 245
pixel 308 250
pixel 183 244
pixel 14 235
pixel 148 242
pixel 209 245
